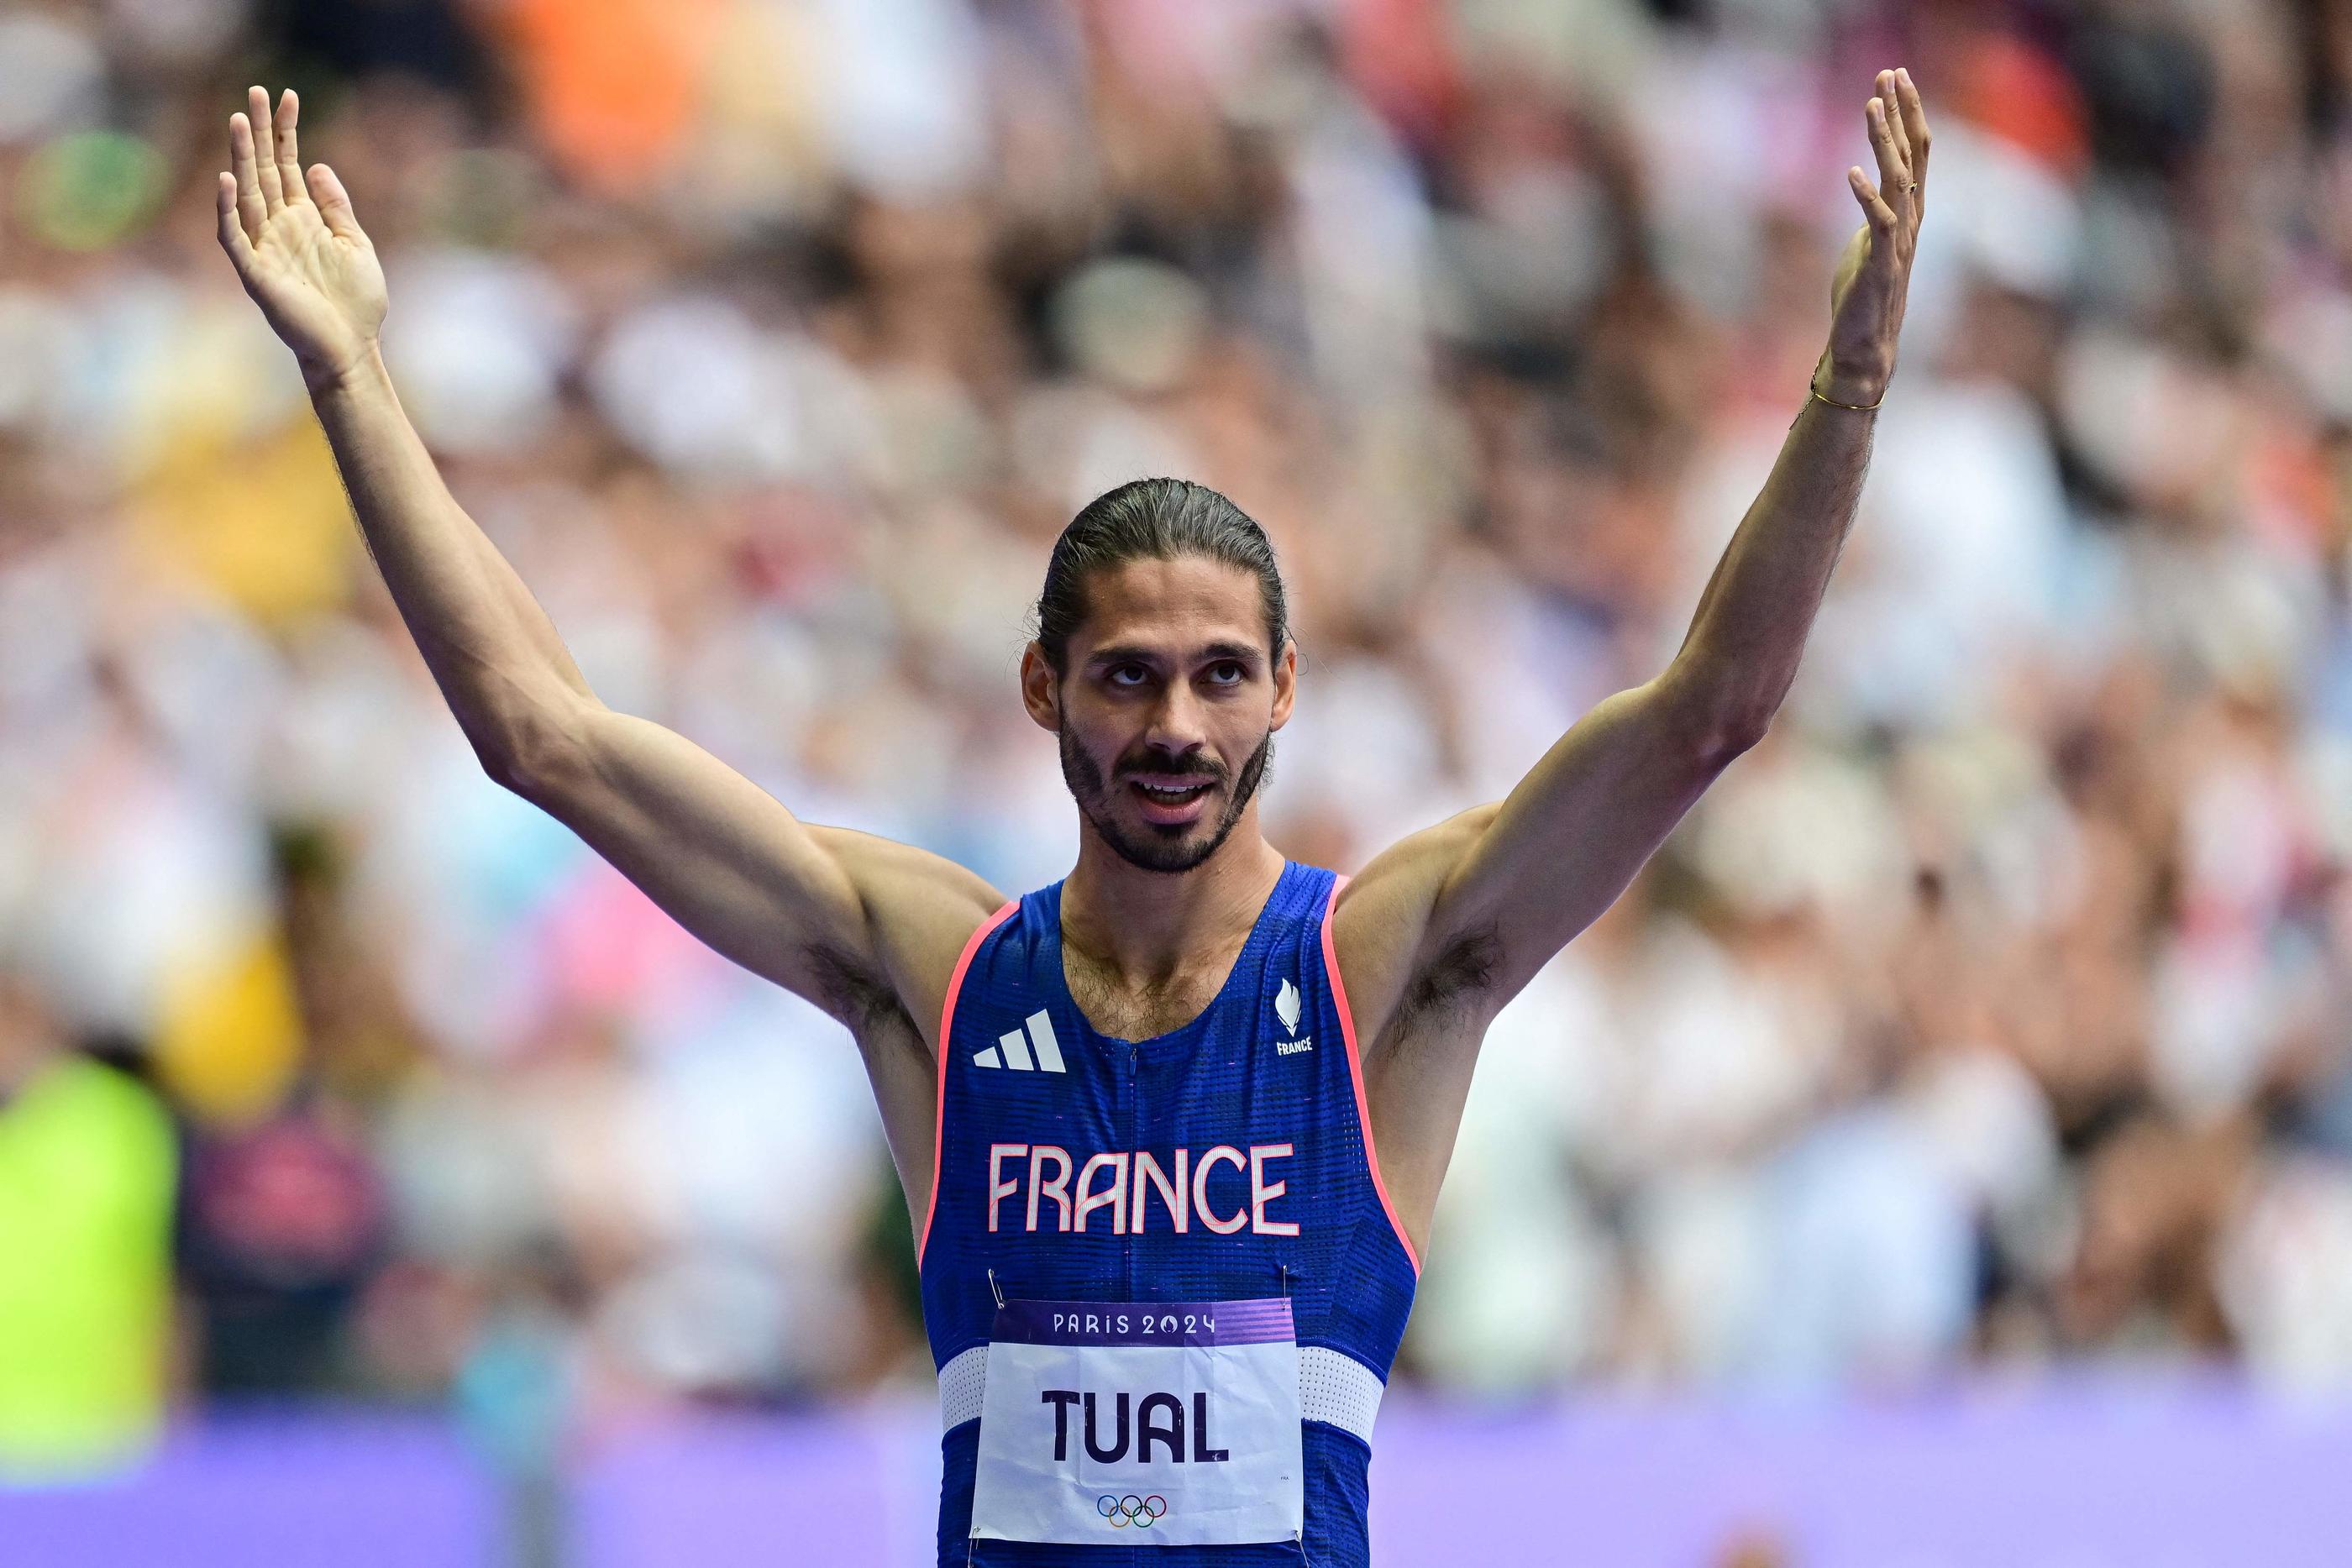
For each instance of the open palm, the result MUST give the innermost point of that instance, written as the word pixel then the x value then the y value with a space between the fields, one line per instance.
pixel 306 262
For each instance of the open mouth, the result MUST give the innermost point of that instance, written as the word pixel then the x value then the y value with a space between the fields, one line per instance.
pixel 1172 799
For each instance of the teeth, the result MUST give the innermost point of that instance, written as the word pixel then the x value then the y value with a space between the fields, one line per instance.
pixel 1171 795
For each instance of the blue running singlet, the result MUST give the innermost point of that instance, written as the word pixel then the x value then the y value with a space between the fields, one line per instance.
pixel 1167 1268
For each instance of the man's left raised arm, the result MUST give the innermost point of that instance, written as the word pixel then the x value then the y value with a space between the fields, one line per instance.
pixel 1471 908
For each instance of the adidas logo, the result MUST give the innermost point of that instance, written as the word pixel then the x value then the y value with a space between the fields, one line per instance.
pixel 1012 1048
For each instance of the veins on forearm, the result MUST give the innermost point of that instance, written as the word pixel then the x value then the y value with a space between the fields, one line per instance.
pixel 1752 620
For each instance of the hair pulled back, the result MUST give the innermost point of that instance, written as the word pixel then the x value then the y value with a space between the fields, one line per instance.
pixel 1153 520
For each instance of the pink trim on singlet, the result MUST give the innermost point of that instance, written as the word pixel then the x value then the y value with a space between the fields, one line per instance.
pixel 1356 1072
pixel 940 1099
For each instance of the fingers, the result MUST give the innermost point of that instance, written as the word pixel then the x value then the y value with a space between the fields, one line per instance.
pixel 251 209
pixel 232 226
pixel 265 158
pixel 1873 205
pixel 1895 131
pixel 1914 129
pixel 289 165
pixel 1898 136
pixel 267 179
pixel 1892 175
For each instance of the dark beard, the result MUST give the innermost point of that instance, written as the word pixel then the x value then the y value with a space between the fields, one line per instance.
pixel 1166 849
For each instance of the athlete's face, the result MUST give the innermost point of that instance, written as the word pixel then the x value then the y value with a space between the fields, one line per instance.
pixel 1167 711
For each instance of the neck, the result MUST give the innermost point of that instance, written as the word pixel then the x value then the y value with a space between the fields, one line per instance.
pixel 1145 925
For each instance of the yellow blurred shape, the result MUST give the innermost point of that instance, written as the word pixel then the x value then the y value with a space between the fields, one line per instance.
pixel 263 522
pixel 228 1034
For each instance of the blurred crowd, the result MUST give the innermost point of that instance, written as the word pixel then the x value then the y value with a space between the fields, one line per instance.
pixel 1991 1013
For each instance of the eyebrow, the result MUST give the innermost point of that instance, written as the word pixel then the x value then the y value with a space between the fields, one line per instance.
pixel 1131 654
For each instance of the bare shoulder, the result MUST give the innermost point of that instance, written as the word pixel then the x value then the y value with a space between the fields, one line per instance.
pixel 917 911
pixel 1420 989
pixel 921 910
pixel 1393 953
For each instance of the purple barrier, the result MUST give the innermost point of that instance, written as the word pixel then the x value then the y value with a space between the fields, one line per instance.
pixel 851 1489
pixel 2076 1476
pixel 356 1492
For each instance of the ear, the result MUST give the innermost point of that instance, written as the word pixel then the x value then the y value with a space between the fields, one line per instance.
pixel 1039 688
pixel 1286 683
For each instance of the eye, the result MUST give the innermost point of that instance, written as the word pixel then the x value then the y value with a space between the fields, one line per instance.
pixel 1228 674
pixel 1127 675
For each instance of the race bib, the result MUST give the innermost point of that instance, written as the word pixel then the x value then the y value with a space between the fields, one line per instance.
pixel 1135 1423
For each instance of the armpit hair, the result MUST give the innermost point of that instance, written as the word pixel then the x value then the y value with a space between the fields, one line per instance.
pixel 852 992
pixel 1464 968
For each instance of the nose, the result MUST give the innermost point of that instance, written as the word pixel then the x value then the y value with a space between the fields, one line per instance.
pixel 1179 723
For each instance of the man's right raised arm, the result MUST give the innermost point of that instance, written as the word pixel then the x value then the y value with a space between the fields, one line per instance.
pixel 852 922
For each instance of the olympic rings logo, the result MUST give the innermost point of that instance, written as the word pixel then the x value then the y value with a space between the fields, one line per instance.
pixel 1142 1512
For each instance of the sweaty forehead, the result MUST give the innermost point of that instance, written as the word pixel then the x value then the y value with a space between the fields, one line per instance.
pixel 1187 600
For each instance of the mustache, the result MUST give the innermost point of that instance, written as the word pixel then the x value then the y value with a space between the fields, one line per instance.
pixel 1190 765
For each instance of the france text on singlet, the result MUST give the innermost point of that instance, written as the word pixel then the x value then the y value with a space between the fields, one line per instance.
pixel 1162 1282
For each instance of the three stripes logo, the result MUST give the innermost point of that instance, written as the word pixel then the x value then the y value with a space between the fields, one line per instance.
pixel 1012 1047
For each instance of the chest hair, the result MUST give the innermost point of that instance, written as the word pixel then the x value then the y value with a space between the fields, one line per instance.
pixel 1123 1013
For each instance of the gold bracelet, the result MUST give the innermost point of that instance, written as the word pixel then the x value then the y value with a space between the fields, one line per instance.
pixel 1856 407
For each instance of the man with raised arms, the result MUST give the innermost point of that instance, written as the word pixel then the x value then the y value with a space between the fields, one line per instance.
pixel 1170 1130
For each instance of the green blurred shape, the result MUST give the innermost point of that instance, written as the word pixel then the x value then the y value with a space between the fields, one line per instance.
pixel 87 1171
pixel 92 189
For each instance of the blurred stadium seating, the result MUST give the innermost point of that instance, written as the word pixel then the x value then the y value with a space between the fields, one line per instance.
pixel 1986 1026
